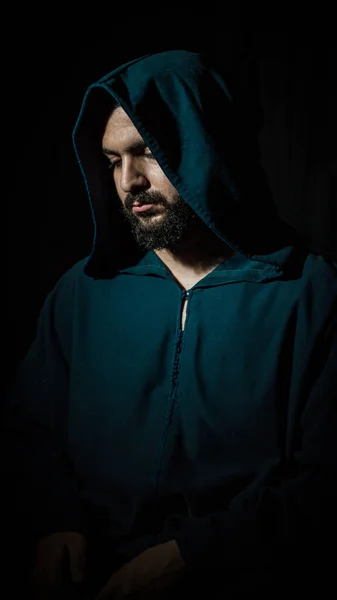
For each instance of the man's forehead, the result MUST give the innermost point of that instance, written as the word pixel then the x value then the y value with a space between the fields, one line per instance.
pixel 120 127
pixel 119 119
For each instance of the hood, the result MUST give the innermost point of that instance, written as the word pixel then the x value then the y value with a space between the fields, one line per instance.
pixel 202 140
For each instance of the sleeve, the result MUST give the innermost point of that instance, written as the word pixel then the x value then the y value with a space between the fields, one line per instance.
pixel 292 522
pixel 40 483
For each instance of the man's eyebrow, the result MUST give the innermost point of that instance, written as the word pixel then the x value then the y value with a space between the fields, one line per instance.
pixel 140 145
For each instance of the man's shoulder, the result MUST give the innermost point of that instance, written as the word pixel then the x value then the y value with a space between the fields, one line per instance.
pixel 73 274
pixel 68 283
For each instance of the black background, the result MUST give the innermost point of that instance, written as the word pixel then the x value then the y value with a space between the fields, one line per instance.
pixel 50 56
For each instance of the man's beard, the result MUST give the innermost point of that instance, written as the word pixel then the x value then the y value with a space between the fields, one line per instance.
pixel 167 232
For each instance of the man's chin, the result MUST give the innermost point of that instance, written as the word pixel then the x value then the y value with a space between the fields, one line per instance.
pixel 151 224
pixel 158 227
pixel 150 216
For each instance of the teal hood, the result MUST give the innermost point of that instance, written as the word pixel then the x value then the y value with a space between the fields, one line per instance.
pixel 204 143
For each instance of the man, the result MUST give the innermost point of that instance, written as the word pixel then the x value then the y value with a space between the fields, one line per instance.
pixel 174 423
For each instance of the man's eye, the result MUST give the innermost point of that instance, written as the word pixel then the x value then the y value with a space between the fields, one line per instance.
pixel 118 163
pixel 115 164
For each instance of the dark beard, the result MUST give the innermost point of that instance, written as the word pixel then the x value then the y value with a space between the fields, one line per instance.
pixel 169 232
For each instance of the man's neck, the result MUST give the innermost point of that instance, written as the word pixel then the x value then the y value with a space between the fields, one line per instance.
pixel 192 261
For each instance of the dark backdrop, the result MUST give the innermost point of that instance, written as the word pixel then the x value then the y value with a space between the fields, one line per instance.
pixel 47 64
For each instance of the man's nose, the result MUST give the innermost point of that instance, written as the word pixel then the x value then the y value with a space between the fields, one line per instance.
pixel 132 178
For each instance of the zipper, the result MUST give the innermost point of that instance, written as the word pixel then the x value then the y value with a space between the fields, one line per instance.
pixel 183 310
pixel 174 381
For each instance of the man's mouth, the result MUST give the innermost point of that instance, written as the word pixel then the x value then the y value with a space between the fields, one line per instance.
pixel 142 208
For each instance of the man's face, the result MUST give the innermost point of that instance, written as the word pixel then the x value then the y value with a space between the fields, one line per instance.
pixel 158 215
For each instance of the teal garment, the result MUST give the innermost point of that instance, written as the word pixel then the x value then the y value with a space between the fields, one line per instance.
pixel 221 435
